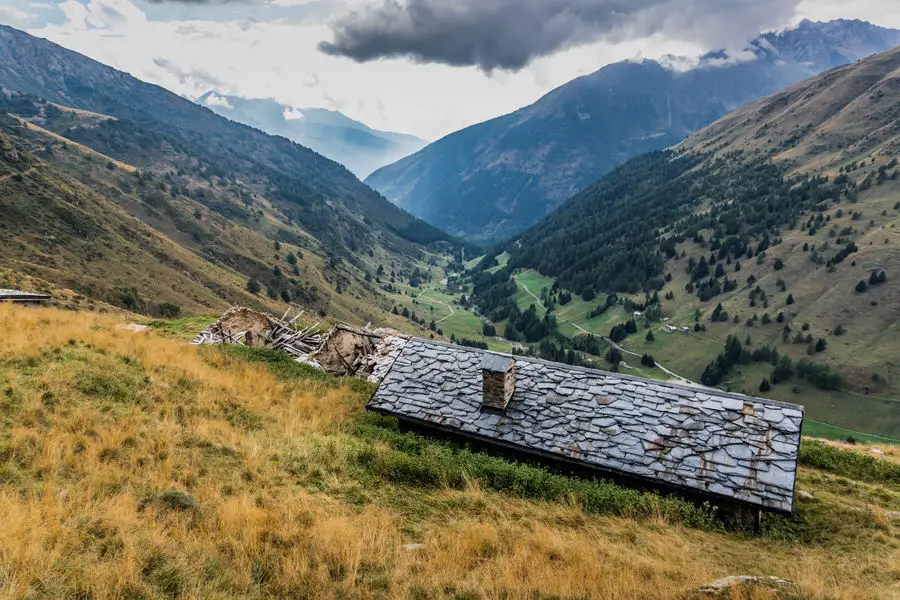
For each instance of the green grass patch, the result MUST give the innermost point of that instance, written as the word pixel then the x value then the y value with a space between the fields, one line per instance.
pixel 847 463
pixel 184 328
pixel 813 428
pixel 286 368
pixel 414 460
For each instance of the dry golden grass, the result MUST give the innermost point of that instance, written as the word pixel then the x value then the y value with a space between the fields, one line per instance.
pixel 79 147
pixel 96 423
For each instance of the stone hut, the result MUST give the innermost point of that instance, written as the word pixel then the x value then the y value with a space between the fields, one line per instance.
pixel 731 449
pixel 20 297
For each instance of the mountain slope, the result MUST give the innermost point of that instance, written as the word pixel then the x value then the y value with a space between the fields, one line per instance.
pixel 494 179
pixel 62 230
pixel 776 225
pixel 351 143
pixel 221 191
pixel 302 179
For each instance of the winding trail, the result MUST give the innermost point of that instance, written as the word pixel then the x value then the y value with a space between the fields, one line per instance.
pixel 605 339
pixel 433 301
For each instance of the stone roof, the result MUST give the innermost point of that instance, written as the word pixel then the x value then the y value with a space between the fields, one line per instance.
pixel 15 295
pixel 728 446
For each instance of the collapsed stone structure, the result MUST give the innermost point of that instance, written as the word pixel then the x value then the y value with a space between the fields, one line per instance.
pixel 342 350
pixel 732 449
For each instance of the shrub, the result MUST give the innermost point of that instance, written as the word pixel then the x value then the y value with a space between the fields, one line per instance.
pixel 253 286
pixel 861 286
pixel 167 310
pixel 171 499
pixel 848 463
pixel 411 459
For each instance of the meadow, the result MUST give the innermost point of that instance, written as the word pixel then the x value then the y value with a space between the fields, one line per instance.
pixel 133 465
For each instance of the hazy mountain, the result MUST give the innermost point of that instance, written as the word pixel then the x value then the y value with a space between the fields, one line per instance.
pixel 330 133
pixel 219 190
pixel 496 178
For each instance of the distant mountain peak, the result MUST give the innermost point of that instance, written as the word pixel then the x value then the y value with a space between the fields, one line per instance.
pixel 331 133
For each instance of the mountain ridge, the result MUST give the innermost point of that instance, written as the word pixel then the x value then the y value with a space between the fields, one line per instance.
pixel 491 180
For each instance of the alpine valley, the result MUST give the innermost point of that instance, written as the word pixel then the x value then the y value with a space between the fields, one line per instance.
pixel 759 254
pixel 499 382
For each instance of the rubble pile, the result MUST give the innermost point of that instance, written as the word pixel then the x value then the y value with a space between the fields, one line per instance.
pixel 248 327
pixel 343 350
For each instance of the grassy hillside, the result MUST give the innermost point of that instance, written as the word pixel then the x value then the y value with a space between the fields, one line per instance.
pixel 135 466
pixel 180 236
pixel 223 203
pixel 776 226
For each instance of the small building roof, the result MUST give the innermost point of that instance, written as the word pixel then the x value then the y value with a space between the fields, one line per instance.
pixel 20 296
pixel 728 446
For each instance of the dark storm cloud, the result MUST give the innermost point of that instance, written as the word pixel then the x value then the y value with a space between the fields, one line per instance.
pixel 508 34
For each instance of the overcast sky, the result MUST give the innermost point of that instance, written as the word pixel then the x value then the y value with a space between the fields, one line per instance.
pixel 427 67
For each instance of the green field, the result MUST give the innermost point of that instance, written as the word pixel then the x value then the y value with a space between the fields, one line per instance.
pixel 824 430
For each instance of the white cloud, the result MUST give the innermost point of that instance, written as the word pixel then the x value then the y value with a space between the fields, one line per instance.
pixel 10 15
pixel 247 52
pixel 215 100
pixel 280 60
pixel 293 114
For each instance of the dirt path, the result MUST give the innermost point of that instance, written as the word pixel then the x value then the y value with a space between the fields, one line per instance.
pixel 538 300
pixel 605 339
pixel 433 301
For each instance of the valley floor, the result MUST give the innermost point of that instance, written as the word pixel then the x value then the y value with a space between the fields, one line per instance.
pixel 136 466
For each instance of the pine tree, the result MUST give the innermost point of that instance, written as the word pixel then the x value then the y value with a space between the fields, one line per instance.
pixel 614 356
pixel 765 386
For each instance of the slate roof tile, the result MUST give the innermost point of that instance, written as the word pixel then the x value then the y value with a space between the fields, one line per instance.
pixel 696 438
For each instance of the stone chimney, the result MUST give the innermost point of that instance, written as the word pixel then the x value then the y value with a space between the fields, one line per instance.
pixel 498 376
